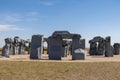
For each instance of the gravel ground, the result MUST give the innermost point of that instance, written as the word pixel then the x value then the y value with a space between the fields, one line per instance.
pixel 116 58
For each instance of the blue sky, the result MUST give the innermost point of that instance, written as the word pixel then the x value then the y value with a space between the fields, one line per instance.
pixel 89 18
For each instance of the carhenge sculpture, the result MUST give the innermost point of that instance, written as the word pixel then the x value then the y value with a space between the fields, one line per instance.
pixel 116 47
pixel 60 44
pixel 13 46
pixel 101 46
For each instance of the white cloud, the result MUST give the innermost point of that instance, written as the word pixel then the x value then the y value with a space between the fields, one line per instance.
pixel 8 27
pixel 47 3
pixel 34 13
pixel 32 16
pixel 12 18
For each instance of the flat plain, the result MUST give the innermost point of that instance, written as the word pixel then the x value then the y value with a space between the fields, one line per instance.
pixel 20 67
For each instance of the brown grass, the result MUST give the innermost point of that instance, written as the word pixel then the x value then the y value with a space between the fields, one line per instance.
pixel 35 70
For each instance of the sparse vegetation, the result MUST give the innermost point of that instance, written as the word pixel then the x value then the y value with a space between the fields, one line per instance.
pixel 0 50
pixel 35 70
pixel 45 48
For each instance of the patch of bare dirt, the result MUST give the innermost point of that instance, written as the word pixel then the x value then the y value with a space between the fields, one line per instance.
pixel 88 58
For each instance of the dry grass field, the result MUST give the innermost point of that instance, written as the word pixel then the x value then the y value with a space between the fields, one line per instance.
pixel 35 70
pixel 20 67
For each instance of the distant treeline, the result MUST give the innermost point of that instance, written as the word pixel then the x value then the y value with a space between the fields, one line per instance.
pixel 0 49
pixel 27 48
pixel 45 49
